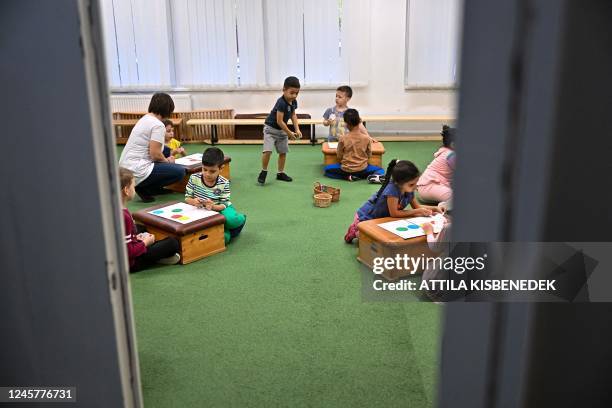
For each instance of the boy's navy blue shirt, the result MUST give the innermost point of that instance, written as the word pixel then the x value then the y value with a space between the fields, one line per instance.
pixel 281 106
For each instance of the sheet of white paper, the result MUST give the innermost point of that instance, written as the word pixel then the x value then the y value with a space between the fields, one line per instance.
pixel 411 227
pixel 332 145
pixel 190 160
pixel 182 213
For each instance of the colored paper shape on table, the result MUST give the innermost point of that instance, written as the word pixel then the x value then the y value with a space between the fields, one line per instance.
pixel 182 213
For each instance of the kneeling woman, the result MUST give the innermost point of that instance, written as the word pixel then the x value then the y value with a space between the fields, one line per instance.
pixel 143 152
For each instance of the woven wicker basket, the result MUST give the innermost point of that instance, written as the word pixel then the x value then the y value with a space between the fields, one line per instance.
pixel 322 200
pixel 322 188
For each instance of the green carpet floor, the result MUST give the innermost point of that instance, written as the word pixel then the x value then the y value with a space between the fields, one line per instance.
pixel 278 319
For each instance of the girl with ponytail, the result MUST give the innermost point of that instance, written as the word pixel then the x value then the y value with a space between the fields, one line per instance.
pixel 392 198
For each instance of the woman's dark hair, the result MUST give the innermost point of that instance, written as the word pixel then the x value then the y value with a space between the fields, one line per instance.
pixel 448 135
pixel 167 122
pixel 125 177
pixel 400 172
pixel 213 156
pixel 291 82
pixel 161 104
pixel 347 90
pixel 351 117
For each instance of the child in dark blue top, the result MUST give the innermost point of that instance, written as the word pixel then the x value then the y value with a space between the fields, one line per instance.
pixel 277 133
pixel 392 198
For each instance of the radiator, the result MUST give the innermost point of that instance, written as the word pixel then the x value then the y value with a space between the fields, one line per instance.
pixel 140 103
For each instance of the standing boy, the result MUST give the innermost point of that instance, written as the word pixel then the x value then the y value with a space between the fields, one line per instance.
pixel 276 131
pixel 333 117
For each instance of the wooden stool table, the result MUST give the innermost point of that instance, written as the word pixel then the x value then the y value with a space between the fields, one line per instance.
pixel 179 186
pixel 376 242
pixel 197 240
pixel 329 154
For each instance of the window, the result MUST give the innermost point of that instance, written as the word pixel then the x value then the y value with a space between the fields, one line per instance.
pixel 190 44
pixel 137 42
pixel 433 32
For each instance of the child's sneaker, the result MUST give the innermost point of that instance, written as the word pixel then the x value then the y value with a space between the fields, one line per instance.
pixel 283 177
pixel 261 179
pixel 376 179
pixel 144 197
pixel 351 234
pixel 350 177
pixel 171 260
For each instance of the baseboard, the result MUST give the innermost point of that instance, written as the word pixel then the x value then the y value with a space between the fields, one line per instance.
pixel 382 138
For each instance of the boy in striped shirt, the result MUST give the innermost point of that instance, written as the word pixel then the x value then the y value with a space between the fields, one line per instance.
pixel 212 191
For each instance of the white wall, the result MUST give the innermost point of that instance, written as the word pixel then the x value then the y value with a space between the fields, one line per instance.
pixel 384 93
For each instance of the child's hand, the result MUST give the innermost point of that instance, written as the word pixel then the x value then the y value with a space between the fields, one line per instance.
pixel 147 238
pixel 443 207
pixel 428 228
pixel 170 159
pixel 422 212
pixel 208 204
pixel 181 150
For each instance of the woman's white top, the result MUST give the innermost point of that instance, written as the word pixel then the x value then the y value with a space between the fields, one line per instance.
pixel 135 156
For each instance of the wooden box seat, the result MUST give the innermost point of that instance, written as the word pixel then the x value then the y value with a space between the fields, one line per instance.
pixel 198 239
pixel 378 149
pixel 375 242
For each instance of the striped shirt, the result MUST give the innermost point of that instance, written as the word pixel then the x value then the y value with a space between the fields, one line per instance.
pixel 219 193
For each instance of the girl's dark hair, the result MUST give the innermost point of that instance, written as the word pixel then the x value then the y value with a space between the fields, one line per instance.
pixel 161 104
pixel 213 156
pixel 167 122
pixel 125 177
pixel 448 135
pixel 347 90
pixel 291 82
pixel 400 171
pixel 351 117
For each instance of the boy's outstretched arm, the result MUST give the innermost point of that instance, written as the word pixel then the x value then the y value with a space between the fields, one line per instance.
pixel 296 125
pixel 282 124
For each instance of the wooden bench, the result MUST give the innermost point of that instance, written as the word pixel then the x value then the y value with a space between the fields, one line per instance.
pixel 215 123
pixel 197 239
pixel 378 149
pixel 130 123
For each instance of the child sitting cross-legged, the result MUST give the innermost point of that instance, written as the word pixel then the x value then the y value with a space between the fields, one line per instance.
pixel 392 198
pixel 353 152
pixel 142 248
pixel 212 191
